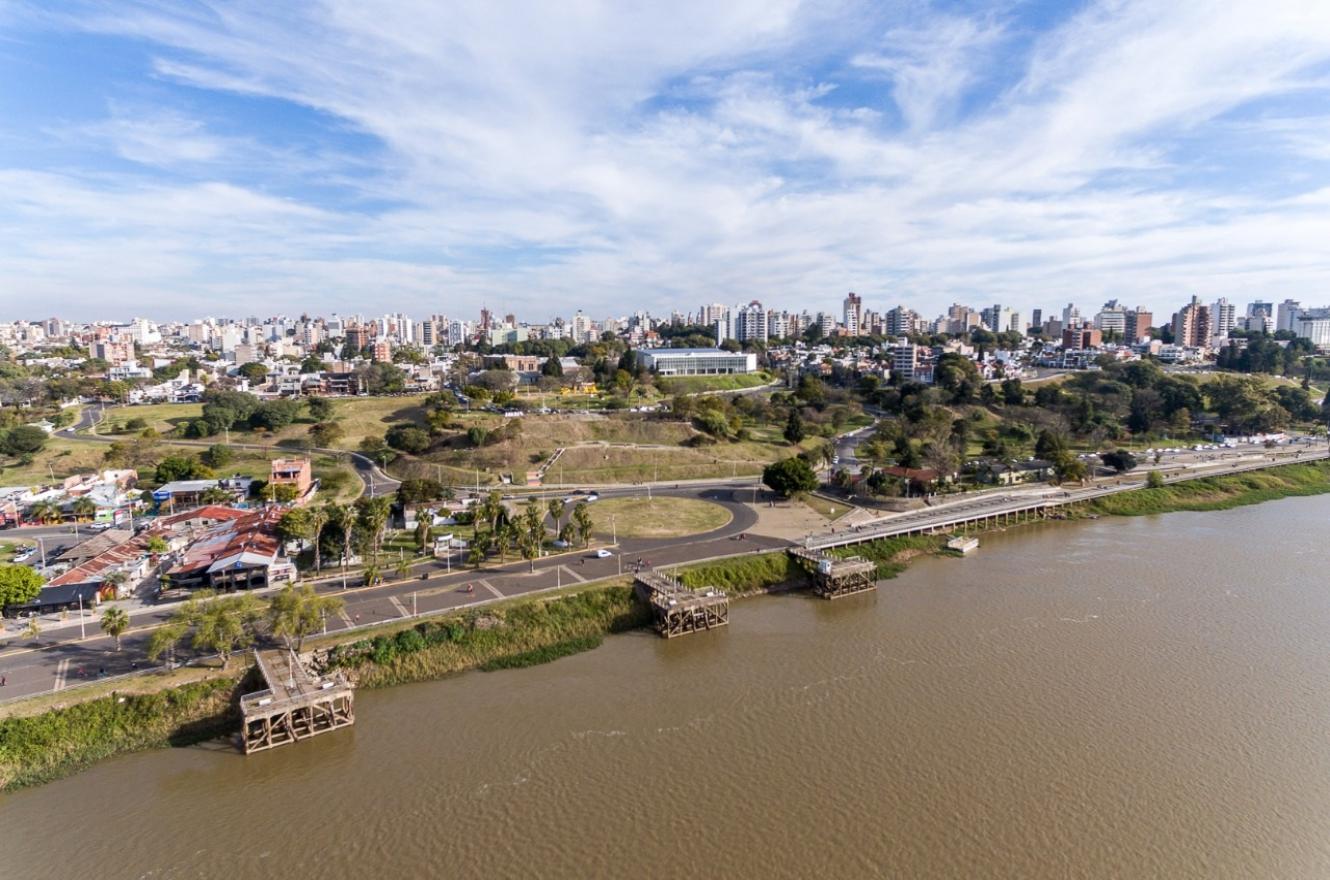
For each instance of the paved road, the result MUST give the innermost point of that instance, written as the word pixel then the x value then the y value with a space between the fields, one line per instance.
pixel 60 660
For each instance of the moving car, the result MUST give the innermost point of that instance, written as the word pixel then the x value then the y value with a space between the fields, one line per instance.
pixel 602 553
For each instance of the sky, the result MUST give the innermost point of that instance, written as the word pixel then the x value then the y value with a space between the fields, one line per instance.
pixel 180 159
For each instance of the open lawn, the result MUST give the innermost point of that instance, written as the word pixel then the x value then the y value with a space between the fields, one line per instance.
pixel 660 517
pixel 61 458
pixel 161 417
pixel 695 384
pixel 827 507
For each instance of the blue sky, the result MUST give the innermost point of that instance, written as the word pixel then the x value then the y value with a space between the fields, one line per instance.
pixel 181 159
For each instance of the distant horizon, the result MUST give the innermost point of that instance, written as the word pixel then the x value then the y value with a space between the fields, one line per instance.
pixel 180 160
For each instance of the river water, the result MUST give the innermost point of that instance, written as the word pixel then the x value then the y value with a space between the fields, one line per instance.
pixel 1119 698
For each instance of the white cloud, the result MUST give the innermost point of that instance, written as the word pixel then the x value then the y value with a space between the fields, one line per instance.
pixel 608 155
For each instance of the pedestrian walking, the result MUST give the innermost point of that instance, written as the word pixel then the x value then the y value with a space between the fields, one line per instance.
pixel 3 681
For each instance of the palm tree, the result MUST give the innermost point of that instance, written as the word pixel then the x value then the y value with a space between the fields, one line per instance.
pixel 555 507
pixel 114 623
pixel 403 568
pixel 345 518
pixel 372 515
pixel 318 518
pixel 372 574
pixel 84 508
pixel 582 521
pixel 45 512
pixel 116 579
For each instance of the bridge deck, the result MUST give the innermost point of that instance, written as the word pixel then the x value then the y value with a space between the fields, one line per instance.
pixel 295 705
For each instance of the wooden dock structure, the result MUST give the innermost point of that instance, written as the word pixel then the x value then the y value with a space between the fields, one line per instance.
pixel 295 705
pixel 834 577
pixel 678 610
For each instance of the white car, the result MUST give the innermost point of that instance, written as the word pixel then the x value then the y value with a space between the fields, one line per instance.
pixel 24 556
pixel 602 553
pixel 592 497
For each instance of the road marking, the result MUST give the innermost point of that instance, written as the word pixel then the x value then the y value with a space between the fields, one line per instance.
pixel 346 618
pixel 397 603
pixel 61 670
pixel 487 585
pixel 572 574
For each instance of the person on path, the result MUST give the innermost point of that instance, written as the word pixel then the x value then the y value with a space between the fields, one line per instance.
pixel 3 681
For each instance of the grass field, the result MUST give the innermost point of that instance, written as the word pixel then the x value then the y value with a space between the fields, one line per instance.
pixel 161 417
pixel 827 507
pixel 61 458
pixel 695 384
pixel 660 517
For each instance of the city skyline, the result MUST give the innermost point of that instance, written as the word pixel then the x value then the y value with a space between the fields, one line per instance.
pixel 177 161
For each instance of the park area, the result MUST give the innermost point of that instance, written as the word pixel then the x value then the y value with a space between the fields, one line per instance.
pixel 660 517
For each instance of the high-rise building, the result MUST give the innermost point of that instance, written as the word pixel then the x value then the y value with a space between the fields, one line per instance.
pixel 1287 316
pixel 1036 319
pixel 901 321
pixel 750 322
pixel 1137 325
pixel 852 309
pixel 1112 321
pixel 1223 315
pixel 1192 325
pixel 1071 316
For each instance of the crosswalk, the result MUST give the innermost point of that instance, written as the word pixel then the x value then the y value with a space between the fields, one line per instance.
pixel 61 673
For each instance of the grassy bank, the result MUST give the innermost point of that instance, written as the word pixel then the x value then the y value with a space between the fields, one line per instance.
pixel 1220 493
pixel 39 748
pixel 893 555
pixel 520 634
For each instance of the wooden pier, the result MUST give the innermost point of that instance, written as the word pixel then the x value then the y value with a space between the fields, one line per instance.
pixel 835 578
pixel 295 705
pixel 678 610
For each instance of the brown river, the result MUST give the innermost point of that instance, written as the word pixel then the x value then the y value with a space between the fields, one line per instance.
pixel 1119 698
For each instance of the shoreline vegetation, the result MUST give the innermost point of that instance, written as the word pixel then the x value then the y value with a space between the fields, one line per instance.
pixel 37 748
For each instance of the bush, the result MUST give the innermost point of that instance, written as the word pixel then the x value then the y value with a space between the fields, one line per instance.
pixel 407 438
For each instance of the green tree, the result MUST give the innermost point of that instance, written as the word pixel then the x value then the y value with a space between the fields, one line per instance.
pixel 407 438
pixel 790 477
pixel 318 520
pixel 531 531
pixel 294 525
pixel 298 611
pixel 256 373
pixel 114 623
pixel 1119 460
pixel 1154 480
pixel 321 409
pixel 23 440
pixel 372 516
pixel 794 427
pixel 217 455
pixel 325 434
pixel 555 508
pixel 220 624
pixel 581 522
pixel 84 508
pixel 18 585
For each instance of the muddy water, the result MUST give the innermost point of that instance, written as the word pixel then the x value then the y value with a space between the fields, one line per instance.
pixel 1121 698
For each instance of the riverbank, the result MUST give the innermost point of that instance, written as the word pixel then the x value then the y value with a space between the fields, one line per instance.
pixel 1220 493
pixel 39 747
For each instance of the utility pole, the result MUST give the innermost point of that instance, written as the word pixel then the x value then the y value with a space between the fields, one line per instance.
pixel 83 632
